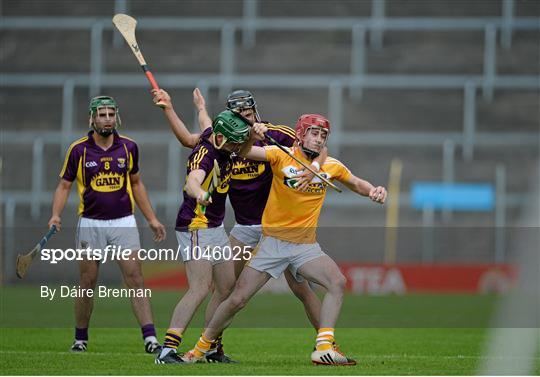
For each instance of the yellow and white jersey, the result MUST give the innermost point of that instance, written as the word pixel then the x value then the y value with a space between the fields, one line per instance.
pixel 292 215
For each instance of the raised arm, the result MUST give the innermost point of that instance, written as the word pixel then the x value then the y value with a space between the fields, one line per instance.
pixel 200 104
pixel 186 138
pixel 364 188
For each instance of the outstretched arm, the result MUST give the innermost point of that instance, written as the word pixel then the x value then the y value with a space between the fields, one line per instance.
pixel 364 188
pixel 186 138
pixel 250 151
pixel 200 104
pixel 256 154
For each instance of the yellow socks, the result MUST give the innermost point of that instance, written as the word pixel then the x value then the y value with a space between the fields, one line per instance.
pixel 202 346
pixel 325 338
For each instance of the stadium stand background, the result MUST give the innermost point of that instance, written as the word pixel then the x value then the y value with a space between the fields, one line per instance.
pixel 390 116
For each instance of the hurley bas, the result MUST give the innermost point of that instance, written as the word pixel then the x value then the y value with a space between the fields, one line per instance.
pixel 100 291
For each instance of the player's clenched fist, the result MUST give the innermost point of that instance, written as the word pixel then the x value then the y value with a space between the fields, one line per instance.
pixel 378 194
pixel 204 199
pixel 55 220
pixel 161 98
pixel 258 130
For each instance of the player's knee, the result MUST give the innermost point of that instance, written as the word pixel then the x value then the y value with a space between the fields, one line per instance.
pixel 200 289
pixel 134 279
pixel 224 291
pixel 88 280
pixel 237 301
pixel 338 283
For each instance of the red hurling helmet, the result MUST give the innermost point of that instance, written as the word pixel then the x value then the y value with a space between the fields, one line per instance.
pixel 307 121
pixel 304 123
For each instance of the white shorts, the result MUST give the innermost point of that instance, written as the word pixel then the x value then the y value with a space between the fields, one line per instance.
pixel 249 235
pixel 211 244
pixel 273 256
pixel 98 234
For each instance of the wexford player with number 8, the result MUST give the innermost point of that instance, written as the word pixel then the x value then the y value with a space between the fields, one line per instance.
pixel 106 168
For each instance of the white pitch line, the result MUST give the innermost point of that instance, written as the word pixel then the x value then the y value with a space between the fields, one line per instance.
pixel 392 356
pixel 73 353
pixel 445 357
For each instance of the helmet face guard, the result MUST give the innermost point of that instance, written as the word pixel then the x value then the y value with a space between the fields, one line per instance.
pixel 304 124
pixel 232 127
pixel 103 102
pixel 241 100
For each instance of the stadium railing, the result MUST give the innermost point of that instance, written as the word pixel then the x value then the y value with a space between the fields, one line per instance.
pixel 357 80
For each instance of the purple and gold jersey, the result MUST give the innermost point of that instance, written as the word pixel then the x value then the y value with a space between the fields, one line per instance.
pixel 190 216
pixel 251 180
pixel 102 176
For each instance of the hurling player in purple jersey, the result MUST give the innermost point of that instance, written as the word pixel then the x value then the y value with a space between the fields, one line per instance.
pixel 203 242
pixel 106 168
pixel 250 182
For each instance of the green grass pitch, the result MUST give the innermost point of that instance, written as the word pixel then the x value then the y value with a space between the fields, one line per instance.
pixel 271 336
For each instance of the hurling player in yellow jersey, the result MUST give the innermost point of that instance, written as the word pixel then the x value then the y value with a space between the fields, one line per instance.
pixel 289 236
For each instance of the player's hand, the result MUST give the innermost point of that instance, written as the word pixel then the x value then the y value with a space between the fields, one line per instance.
pixel 162 99
pixel 378 194
pixel 198 100
pixel 158 229
pixel 55 220
pixel 303 177
pixel 203 200
pixel 258 130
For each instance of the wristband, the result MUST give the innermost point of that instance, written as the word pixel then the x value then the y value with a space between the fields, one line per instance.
pixel 316 165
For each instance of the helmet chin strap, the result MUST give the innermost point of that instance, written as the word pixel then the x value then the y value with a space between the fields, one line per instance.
pixel 219 148
pixel 215 142
pixel 257 116
pixel 105 133
pixel 311 154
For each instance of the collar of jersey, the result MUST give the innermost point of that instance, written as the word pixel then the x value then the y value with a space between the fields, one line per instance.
pixel 298 153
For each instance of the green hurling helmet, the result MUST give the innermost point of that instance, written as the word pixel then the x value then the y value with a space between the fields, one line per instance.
pixel 103 101
pixel 233 128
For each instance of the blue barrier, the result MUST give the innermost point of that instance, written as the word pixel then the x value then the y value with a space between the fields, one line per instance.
pixel 454 196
